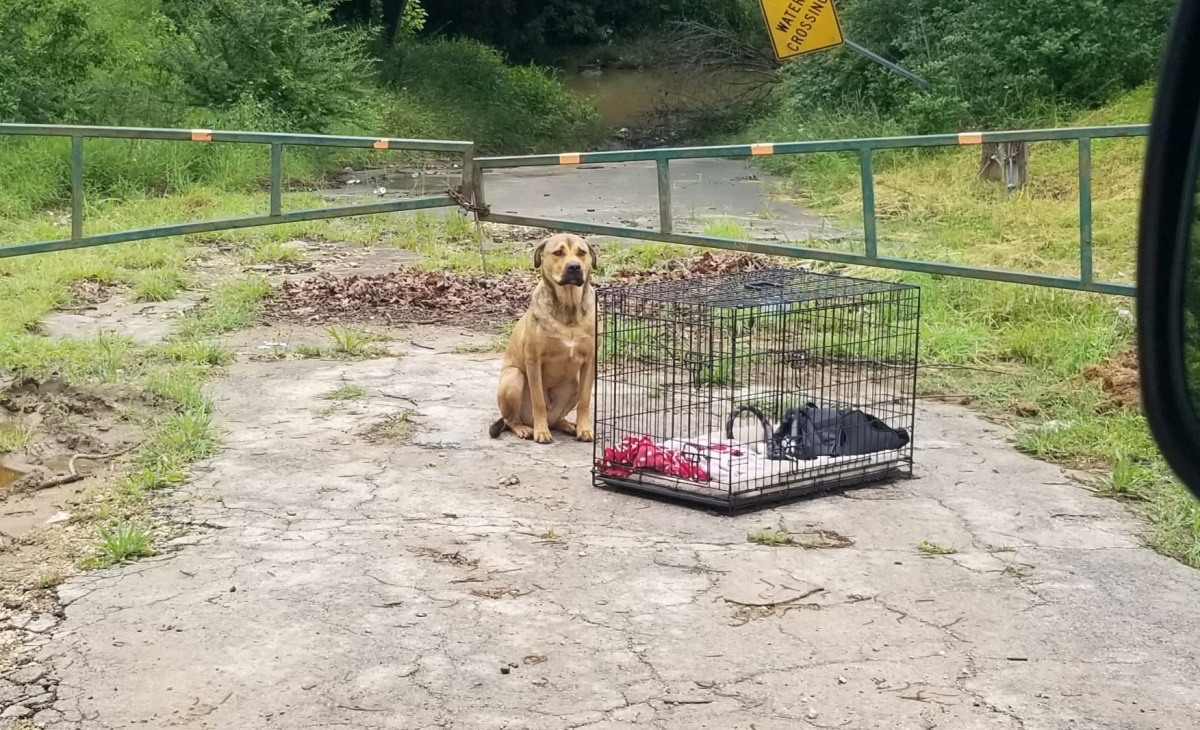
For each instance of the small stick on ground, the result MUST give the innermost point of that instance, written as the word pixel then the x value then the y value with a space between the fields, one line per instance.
pixel 96 457
pixel 773 604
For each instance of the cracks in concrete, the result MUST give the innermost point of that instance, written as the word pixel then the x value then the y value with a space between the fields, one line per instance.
pixel 349 577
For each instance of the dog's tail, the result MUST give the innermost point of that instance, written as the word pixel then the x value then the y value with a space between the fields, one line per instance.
pixel 497 428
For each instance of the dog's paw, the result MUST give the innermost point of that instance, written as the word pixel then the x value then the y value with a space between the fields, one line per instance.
pixel 522 432
pixel 584 433
pixel 564 426
pixel 542 436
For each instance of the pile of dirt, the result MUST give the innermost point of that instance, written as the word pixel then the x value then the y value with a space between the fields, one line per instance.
pixel 1118 378
pixel 414 296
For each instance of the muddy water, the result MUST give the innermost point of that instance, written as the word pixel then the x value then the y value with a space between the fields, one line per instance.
pixel 624 97
pixel 8 476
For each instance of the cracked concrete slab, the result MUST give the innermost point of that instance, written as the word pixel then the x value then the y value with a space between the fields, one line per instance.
pixel 335 582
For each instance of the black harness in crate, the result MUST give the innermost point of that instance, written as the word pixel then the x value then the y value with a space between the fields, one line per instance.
pixel 808 432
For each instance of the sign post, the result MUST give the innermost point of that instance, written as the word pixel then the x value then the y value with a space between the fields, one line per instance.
pixel 798 27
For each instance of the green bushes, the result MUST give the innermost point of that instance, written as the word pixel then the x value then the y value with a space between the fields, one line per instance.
pixel 257 65
pixel 991 63
pixel 283 56
pixel 47 49
pixel 502 108
pixel 525 27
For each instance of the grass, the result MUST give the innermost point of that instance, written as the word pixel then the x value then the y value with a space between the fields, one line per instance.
pixel 345 393
pixel 925 547
pixel 121 542
pixel 725 228
pixel 1031 343
pixel 397 426
pixel 771 538
pixel 271 252
pixel 349 343
pixel 48 579
pixel 179 430
pixel 497 343
pixel 1128 479
pixel 353 342
pixel 1034 342
pixel 13 437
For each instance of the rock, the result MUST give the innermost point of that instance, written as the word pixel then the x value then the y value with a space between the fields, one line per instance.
pixel 16 712
pixel 40 701
pixel 10 692
pixel 42 624
pixel 27 674
pixel 47 717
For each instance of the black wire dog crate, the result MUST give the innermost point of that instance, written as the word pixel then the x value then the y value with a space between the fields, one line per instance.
pixel 738 390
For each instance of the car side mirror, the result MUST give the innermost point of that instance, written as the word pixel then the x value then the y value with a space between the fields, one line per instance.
pixel 1168 278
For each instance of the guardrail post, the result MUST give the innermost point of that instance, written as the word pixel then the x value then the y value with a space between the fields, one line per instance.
pixel 666 221
pixel 1085 210
pixel 477 196
pixel 76 187
pixel 276 179
pixel 466 186
pixel 867 173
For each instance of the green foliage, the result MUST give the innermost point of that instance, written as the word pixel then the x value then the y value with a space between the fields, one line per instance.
pixel 502 108
pixel 120 543
pixel 991 63
pixel 413 21
pixel 522 28
pixel 281 54
pixel 47 48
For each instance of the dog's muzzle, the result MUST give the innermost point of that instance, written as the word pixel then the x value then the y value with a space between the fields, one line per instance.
pixel 572 276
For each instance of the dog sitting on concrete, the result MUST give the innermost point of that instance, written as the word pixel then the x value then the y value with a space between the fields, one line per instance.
pixel 550 363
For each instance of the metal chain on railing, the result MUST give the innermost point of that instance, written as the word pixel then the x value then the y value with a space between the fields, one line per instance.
pixel 467 204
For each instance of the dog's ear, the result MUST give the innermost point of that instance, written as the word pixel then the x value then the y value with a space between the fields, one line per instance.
pixel 592 250
pixel 538 253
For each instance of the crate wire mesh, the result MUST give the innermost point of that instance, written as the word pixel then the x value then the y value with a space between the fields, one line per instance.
pixel 678 358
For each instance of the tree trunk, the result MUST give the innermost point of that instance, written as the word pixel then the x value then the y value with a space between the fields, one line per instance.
pixel 1006 162
pixel 393 16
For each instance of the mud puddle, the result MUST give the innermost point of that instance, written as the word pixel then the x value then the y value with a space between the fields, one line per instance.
pixel 8 476
pixel 42 480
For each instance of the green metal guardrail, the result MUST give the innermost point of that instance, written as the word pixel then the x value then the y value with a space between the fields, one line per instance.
pixel 865 148
pixel 276 142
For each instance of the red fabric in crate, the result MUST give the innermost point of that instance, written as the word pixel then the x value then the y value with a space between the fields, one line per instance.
pixel 641 452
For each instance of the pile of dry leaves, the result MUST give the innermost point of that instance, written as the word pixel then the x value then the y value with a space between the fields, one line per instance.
pixel 403 296
pixel 706 264
pixel 408 296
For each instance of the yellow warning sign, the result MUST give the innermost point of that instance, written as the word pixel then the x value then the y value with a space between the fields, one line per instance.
pixel 801 26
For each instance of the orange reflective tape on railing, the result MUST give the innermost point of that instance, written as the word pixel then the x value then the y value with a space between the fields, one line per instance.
pixel 568 158
pixel 762 148
pixel 201 135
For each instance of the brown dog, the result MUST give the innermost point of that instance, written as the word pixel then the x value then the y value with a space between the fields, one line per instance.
pixel 550 362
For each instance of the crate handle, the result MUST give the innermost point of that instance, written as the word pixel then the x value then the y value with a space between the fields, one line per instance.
pixel 762 284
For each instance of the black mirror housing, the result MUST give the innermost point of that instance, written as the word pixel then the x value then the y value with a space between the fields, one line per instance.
pixel 1167 208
